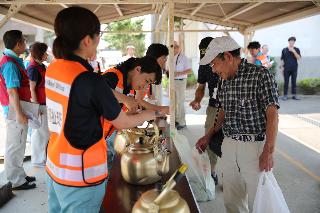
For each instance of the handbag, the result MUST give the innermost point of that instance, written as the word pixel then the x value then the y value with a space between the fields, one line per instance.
pixel 217 138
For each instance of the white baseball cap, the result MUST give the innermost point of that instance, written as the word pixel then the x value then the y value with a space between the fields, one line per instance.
pixel 219 45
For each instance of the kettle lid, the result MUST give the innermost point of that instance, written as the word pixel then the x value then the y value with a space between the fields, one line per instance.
pixel 172 199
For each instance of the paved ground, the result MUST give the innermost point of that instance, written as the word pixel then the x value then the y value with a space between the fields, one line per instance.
pixel 297 161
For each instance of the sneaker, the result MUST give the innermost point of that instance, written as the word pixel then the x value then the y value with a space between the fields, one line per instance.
pixel 179 127
pixel 215 178
pixel 27 185
pixel 295 98
pixel 284 98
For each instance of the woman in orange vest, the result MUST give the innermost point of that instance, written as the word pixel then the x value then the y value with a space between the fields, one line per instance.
pixel 36 73
pixel 77 152
pixel 132 75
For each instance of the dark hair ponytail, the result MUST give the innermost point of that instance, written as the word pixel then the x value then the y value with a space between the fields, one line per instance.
pixel 148 65
pixel 71 26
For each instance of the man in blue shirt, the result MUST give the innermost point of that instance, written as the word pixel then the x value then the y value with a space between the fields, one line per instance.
pixel 15 87
pixel 289 66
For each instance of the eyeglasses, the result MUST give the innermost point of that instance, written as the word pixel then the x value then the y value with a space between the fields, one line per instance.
pixel 211 65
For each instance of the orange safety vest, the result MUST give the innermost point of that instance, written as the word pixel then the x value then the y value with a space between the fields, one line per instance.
pixel 67 165
pixel 107 126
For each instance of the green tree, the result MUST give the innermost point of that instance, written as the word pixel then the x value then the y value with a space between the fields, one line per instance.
pixel 121 41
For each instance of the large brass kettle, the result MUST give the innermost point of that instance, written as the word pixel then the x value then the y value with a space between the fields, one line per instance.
pixel 163 199
pixel 124 138
pixel 144 163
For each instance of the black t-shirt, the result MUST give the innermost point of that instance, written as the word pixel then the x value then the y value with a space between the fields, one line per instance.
pixel 290 61
pixel 90 98
pixel 205 75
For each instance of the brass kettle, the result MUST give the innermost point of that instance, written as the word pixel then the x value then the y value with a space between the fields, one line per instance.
pixel 124 138
pixel 144 163
pixel 163 199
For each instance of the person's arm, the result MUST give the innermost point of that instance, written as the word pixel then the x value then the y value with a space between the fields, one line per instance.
pixel 33 85
pixel 15 103
pixel 218 124
pixel 131 103
pixel 162 109
pixel 195 104
pixel 266 158
pixel 124 120
pixel 268 100
pixel 295 53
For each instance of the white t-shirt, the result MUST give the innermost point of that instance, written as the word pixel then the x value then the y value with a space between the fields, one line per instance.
pixel 181 63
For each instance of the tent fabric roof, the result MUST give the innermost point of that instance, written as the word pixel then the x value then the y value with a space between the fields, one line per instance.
pixel 239 14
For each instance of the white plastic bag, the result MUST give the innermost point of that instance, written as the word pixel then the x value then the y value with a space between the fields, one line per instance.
pixel 199 172
pixel 269 198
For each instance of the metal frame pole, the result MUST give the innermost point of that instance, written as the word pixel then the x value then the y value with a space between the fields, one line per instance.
pixel 171 65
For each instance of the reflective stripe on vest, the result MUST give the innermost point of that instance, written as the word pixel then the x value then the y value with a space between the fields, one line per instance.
pixel 76 175
pixel 65 164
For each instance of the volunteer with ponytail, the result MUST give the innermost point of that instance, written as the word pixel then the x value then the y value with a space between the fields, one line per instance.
pixel 76 159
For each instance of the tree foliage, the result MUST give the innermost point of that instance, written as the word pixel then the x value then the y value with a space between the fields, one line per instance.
pixel 121 41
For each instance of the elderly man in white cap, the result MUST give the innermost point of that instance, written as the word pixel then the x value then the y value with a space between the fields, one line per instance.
pixel 248 118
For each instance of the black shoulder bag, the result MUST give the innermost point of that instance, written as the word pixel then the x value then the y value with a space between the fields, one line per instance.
pixel 217 138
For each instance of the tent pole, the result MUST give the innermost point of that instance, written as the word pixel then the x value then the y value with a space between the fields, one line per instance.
pixel 171 66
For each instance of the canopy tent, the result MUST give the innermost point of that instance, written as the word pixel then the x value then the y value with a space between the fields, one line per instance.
pixel 245 16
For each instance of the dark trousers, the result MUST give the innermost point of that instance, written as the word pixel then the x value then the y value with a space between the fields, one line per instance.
pixel 293 73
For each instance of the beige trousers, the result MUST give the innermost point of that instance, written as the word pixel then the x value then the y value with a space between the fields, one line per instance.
pixel 39 140
pixel 180 95
pixel 240 168
pixel 16 136
pixel 211 115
